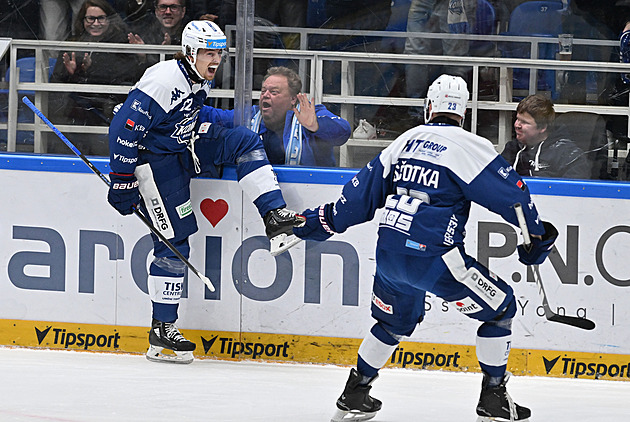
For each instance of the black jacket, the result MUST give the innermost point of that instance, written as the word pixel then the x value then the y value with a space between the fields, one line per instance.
pixel 556 156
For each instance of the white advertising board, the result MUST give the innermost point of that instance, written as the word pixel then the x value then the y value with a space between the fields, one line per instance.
pixel 68 256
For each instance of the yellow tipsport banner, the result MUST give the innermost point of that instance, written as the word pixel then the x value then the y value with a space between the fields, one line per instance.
pixel 309 349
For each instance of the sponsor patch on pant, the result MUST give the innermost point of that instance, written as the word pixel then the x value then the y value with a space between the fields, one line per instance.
pixel 184 210
pixel 388 309
pixel 467 305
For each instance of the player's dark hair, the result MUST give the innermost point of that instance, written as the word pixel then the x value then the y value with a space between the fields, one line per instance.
pixel 539 107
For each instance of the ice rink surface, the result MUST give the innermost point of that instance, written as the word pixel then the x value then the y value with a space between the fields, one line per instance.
pixel 55 385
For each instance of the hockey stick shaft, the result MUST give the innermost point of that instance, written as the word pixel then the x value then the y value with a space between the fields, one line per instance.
pixel 96 171
pixel 583 323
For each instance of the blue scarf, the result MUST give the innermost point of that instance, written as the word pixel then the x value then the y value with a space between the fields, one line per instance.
pixel 293 151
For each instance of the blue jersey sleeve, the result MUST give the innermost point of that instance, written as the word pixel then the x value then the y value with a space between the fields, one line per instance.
pixel 218 116
pixel 498 187
pixel 128 127
pixel 361 196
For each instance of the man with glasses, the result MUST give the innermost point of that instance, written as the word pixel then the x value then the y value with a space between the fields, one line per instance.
pixel 164 27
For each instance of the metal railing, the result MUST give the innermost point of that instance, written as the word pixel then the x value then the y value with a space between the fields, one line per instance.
pixel 312 65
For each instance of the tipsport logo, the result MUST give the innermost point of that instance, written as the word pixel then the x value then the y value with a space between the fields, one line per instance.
pixel 67 339
pixel 233 348
pixel 423 360
pixel 576 368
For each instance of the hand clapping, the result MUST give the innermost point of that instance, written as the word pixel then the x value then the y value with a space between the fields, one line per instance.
pixel 70 62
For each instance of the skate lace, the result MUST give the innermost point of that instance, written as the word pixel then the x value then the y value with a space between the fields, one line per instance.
pixel 173 333
pixel 285 213
pixel 512 406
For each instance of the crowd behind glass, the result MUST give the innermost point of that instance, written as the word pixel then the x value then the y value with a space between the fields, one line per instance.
pixel 161 21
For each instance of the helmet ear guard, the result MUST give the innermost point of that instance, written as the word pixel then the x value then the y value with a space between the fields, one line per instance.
pixel 447 94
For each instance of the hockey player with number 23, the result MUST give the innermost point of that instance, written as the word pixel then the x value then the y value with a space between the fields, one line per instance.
pixel 157 146
pixel 426 181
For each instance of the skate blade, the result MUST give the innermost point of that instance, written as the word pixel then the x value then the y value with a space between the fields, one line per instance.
pixel 154 354
pixel 352 415
pixel 282 242
pixel 492 419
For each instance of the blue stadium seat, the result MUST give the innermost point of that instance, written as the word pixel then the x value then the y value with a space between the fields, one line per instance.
pixel 485 24
pixel 26 66
pixel 538 19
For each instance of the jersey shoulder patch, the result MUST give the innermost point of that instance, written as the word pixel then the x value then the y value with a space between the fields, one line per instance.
pixel 165 83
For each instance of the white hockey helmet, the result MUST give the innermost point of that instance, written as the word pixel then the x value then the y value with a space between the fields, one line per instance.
pixel 447 94
pixel 201 34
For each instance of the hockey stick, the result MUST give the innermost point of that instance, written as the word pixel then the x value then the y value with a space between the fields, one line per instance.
pixel 145 220
pixel 583 323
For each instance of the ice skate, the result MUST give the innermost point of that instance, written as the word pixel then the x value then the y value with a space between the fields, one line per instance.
pixel 165 335
pixel 279 225
pixel 355 403
pixel 496 405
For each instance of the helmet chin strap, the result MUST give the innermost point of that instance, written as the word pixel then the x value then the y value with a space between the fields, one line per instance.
pixel 192 70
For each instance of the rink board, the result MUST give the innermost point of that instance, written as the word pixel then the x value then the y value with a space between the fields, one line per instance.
pixel 69 258
pixel 309 349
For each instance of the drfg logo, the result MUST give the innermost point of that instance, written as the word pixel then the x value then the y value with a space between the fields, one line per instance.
pixel 233 348
pixel 80 340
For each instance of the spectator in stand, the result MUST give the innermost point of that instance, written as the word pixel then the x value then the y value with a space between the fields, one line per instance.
pixel 96 21
pixel 293 130
pixel 445 16
pixel 541 149
pixel 164 27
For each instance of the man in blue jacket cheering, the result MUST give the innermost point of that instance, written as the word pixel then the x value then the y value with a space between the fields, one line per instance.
pixel 293 130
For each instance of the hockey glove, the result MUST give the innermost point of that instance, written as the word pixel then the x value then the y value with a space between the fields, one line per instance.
pixel 317 226
pixel 537 251
pixel 123 192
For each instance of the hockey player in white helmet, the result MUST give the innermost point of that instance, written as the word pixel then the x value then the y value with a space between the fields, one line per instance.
pixel 426 181
pixel 157 146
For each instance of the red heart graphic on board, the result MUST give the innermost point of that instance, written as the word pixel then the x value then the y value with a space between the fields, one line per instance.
pixel 214 211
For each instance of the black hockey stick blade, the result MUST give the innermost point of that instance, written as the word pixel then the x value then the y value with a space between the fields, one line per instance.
pixel 583 323
pixel 577 322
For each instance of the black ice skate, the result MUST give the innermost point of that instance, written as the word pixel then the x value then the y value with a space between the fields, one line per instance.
pixel 355 403
pixel 495 404
pixel 164 335
pixel 279 225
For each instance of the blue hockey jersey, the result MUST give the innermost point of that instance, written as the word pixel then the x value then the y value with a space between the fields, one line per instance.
pixel 159 115
pixel 426 181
